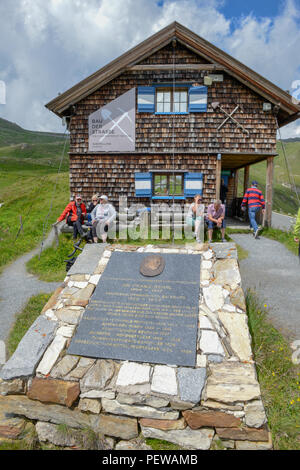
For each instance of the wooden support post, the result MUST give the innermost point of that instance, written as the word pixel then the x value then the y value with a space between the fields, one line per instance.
pixel 218 175
pixel 236 183
pixel 246 177
pixel 269 191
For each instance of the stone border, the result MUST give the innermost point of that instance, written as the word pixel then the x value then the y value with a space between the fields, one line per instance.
pixel 219 398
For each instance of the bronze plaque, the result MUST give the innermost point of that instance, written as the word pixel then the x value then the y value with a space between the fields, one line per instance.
pixel 152 265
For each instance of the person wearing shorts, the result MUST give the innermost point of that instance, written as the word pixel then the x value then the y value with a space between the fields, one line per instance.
pixel 216 219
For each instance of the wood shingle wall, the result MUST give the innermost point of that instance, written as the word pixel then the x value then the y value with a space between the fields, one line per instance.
pixel 195 134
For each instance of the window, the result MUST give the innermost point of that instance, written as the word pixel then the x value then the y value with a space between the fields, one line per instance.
pixel 171 101
pixel 168 184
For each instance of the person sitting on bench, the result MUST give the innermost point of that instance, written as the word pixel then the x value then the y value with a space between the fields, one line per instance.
pixel 216 219
pixel 74 214
pixel 102 216
pixel 195 216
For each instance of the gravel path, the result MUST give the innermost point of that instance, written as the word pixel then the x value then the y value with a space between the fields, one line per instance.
pixel 282 222
pixel 274 272
pixel 17 286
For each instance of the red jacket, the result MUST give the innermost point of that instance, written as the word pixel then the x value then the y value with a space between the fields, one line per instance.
pixel 71 210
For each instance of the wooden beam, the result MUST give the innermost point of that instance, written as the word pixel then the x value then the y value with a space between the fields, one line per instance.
pixel 218 176
pixel 269 191
pixel 246 177
pixel 210 67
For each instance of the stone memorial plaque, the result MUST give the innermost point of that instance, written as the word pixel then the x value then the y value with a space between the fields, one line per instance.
pixel 139 318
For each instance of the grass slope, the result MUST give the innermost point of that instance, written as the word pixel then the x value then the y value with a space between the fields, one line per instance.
pixel 28 178
pixel 284 198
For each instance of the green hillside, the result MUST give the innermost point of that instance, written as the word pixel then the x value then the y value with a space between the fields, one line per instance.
pixel 29 183
pixel 284 198
pixel 12 134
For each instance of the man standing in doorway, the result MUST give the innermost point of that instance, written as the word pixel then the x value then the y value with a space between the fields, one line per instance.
pixel 255 200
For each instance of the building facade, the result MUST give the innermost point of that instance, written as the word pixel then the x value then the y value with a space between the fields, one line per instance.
pixel 197 116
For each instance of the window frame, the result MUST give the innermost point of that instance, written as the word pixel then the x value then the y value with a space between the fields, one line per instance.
pixel 172 90
pixel 168 176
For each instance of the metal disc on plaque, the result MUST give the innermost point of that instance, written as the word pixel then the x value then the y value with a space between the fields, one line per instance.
pixel 152 265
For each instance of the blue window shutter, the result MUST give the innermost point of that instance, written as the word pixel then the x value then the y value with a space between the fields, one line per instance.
pixel 143 184
pixel 146 99
pixel 193 184
pixel 198 99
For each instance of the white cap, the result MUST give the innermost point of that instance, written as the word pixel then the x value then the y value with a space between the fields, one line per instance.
pixel 103 197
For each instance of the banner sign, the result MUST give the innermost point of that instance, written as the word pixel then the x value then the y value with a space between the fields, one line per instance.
pixel 112 127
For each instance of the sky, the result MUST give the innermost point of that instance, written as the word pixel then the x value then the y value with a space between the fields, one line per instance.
pixel 48 46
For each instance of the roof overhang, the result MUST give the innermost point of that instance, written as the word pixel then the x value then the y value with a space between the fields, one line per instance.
pixel 288 110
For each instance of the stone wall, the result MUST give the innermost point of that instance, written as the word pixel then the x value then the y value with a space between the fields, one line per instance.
pixel 126 402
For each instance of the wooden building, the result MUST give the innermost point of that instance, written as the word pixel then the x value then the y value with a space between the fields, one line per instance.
pixel 199 115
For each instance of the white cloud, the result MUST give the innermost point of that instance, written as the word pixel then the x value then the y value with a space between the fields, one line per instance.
pixel 46 47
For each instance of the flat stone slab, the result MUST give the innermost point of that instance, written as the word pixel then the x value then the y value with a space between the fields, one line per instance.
pixel 30 349
pixel 88 260
pixel 224 250
pixel 142 319
pixel 191 383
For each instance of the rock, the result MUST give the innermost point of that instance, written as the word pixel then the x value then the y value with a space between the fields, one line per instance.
pixel 177 404
pixel 53 299
pixel 10 427
pixel 155 402
pixel 132 373
pixel 66 331
pixel 255 415
pixel 98 394
pixel 243 434
pixel 91 405
pixel 88 260
pixel 201 360
pixel 98 376
pixel 207 255
pixel 114 407
pixel 202 419
pixel 54 391
pixel 12 387
pixel 163 424
pixel 81 297
pixel 81 369
pixel 51 355
pixel 78 278
pixel 229 308
pixel 215 358
pixel 95 279
pixel 191 383
pixel 80 284
pixel 164 380
pixel 64 366
pixel 134 444
pixel 232 382
pixel 115 426
pixel 237 298
pixel 248 445
pixel 220 406
pixel 30 349
pixel 68 315
pixel 227 272
pixel 205 323
pixel 188 438
pixel 210 343
pixel 240 340
pixel 206 265
pixel 225 250
pixel 213 296
pixel 71 437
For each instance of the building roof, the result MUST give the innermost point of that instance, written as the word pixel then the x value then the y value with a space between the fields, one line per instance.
pixel 288 110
